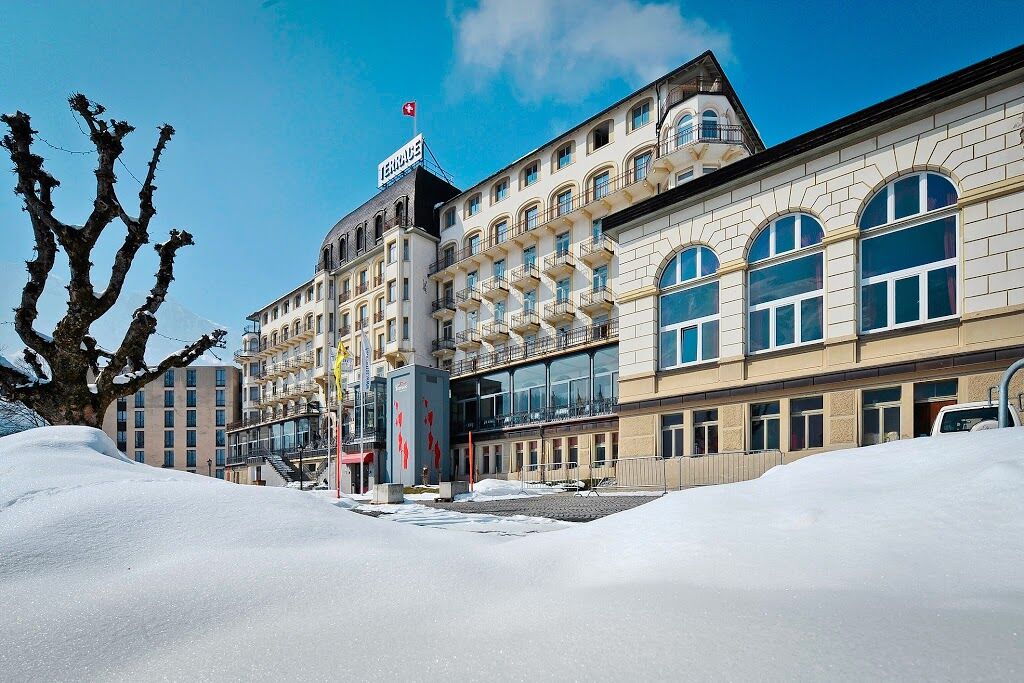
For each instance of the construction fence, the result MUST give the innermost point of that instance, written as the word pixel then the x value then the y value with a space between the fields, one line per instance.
pixel 651 473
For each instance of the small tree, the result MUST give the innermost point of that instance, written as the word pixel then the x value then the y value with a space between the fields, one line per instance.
pixel 57 383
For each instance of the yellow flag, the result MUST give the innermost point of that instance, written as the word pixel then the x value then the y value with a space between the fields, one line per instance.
pixel 339 358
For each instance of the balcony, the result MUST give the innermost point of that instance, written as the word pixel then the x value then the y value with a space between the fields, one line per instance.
pixel 468 299
pixel 542 345
pixel 524 277
pixel 468 340
pixel 443 348
pixel 396 350
pixel 597 301
pixel 443 308
pixel 495 331
pixel 440 264
pixel 494 288
pixel 344 330
pixel 702 133
pixel 245 355
pixel 559 312
pixel 362 324
pixel 597 251
pixel 345 295
pixel 525 322
pixel 362 288
pixel 275 370
pixel 301 361
pixel 576 411
pixel 378 317
pixel 558 264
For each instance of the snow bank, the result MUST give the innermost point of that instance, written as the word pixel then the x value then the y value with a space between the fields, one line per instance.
pixel 900 560
pixel 501 489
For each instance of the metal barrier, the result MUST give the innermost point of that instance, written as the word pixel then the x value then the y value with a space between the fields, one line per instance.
pixel 652 473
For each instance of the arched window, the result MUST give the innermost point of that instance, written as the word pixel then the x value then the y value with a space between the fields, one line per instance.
pixel 378 228
pixel 688 309
pixel 327 259
pixel 684 130
pixel 908 253
pixel 641 165
pixel 709 125
pixel 343 249
pixel 399 213
pixel 360 240
pixel 472 244
pixel 786 284
pixel 499 231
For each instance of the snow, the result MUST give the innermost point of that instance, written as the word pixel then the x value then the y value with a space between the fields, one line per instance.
pixel 499 489
pixel 896 561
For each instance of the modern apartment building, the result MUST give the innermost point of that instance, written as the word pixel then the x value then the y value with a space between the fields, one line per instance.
pixel 368 291
pixel 835 290
pixel 179 421
pixel 527 315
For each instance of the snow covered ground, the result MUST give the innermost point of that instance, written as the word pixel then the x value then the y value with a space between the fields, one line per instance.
pixel 896 561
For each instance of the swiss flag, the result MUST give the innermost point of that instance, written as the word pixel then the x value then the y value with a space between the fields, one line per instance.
pixel 409 108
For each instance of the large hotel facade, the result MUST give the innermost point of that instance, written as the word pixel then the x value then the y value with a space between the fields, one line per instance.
pixel 655 282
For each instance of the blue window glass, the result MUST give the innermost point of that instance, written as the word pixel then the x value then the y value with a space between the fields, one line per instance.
pixel 785 322
pixel 760 329
pixel 689 304
pixel 689 344
pixel 907 196
pixel 668 354
pixel 688 265
pixel 874 306
pixel 908 299
pixel 909 248
pixel 602 185
pixel 641 114
pixel 761 248
pixel 709 340
pixel 941 192
pixel 942 292
pixel 810 319
pixel 782 280
pixel 785 234
pixel 708 262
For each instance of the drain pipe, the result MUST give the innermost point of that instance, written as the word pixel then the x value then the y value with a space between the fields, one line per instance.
pixel 1004 392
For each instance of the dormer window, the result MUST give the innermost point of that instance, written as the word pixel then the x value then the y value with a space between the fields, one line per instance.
pixel 563 156
pixel 640 115
pixel 531 174
pixel 601 135
pixel 500 190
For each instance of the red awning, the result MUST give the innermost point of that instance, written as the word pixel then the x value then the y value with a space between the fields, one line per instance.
pixel 356 458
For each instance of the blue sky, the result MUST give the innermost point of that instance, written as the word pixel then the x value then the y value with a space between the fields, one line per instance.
pixel 283 109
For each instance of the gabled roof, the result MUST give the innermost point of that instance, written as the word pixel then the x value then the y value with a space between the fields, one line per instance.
pixel 941 88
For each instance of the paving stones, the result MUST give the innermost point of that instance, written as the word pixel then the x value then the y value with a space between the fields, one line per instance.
pixel 564 507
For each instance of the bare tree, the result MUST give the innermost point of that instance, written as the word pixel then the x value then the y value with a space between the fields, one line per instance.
pixel 58 385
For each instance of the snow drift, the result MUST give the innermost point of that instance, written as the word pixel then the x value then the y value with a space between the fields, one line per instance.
pixel 901 560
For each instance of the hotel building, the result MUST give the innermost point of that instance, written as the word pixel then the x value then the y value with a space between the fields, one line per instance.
pixel 527 313
pixel 369 283
pixel 179 421
pixel 835 290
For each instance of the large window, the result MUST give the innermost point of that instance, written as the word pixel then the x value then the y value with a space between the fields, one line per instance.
pixel 705 431
pixel 806 423
pixel 530 382
pixel 787 284
pixel 570 383
pixel 606 374
pixel 688 309
pixel 494 399
pixel 908 253
pixel 764 426
pixel 881 415
pixel 672 435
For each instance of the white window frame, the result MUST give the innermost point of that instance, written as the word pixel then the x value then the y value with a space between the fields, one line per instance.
pixel 796 300
pixel 698 323
pixel 920 272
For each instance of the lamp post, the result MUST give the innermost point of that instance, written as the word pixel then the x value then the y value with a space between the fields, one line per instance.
pixel 209 467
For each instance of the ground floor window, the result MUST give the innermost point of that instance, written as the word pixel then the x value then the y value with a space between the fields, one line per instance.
pixel 556 453
pixel 929 399
pixel 497 458
pixel 806 423
pixel 672 435
pixel 485 460
pixel 519 456
pixel 881 415
pixel 533 453
pixel 764 426
pixel 599 450
pixel 574 451
pixel 705 431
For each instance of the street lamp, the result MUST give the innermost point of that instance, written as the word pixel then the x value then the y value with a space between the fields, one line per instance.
pixel 209 467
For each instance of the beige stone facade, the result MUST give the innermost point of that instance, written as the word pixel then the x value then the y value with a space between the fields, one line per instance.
pixel 180 420
pixel 972 138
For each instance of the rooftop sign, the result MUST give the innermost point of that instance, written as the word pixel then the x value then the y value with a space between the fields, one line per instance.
pixel 410 154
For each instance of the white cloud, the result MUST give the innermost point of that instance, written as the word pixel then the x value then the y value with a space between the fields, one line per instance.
pixel 564 49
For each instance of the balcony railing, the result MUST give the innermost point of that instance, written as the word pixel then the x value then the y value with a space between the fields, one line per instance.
pixel 469 294
pixel 700 85
pixel 443 344
pixel 344 330
pixel 597 190
pixel 527 271
pixel 560 260
pixel 378 317
pixel 470 336
pixel 540 346
pixel 559 310
pixel 706 132
pixel 525 319
pixel 596 248
pixel 345 295
pixel 444 303
pixel 598 297
pixel 583 409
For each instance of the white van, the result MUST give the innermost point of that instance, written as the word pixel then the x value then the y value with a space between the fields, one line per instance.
pixel 969 417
